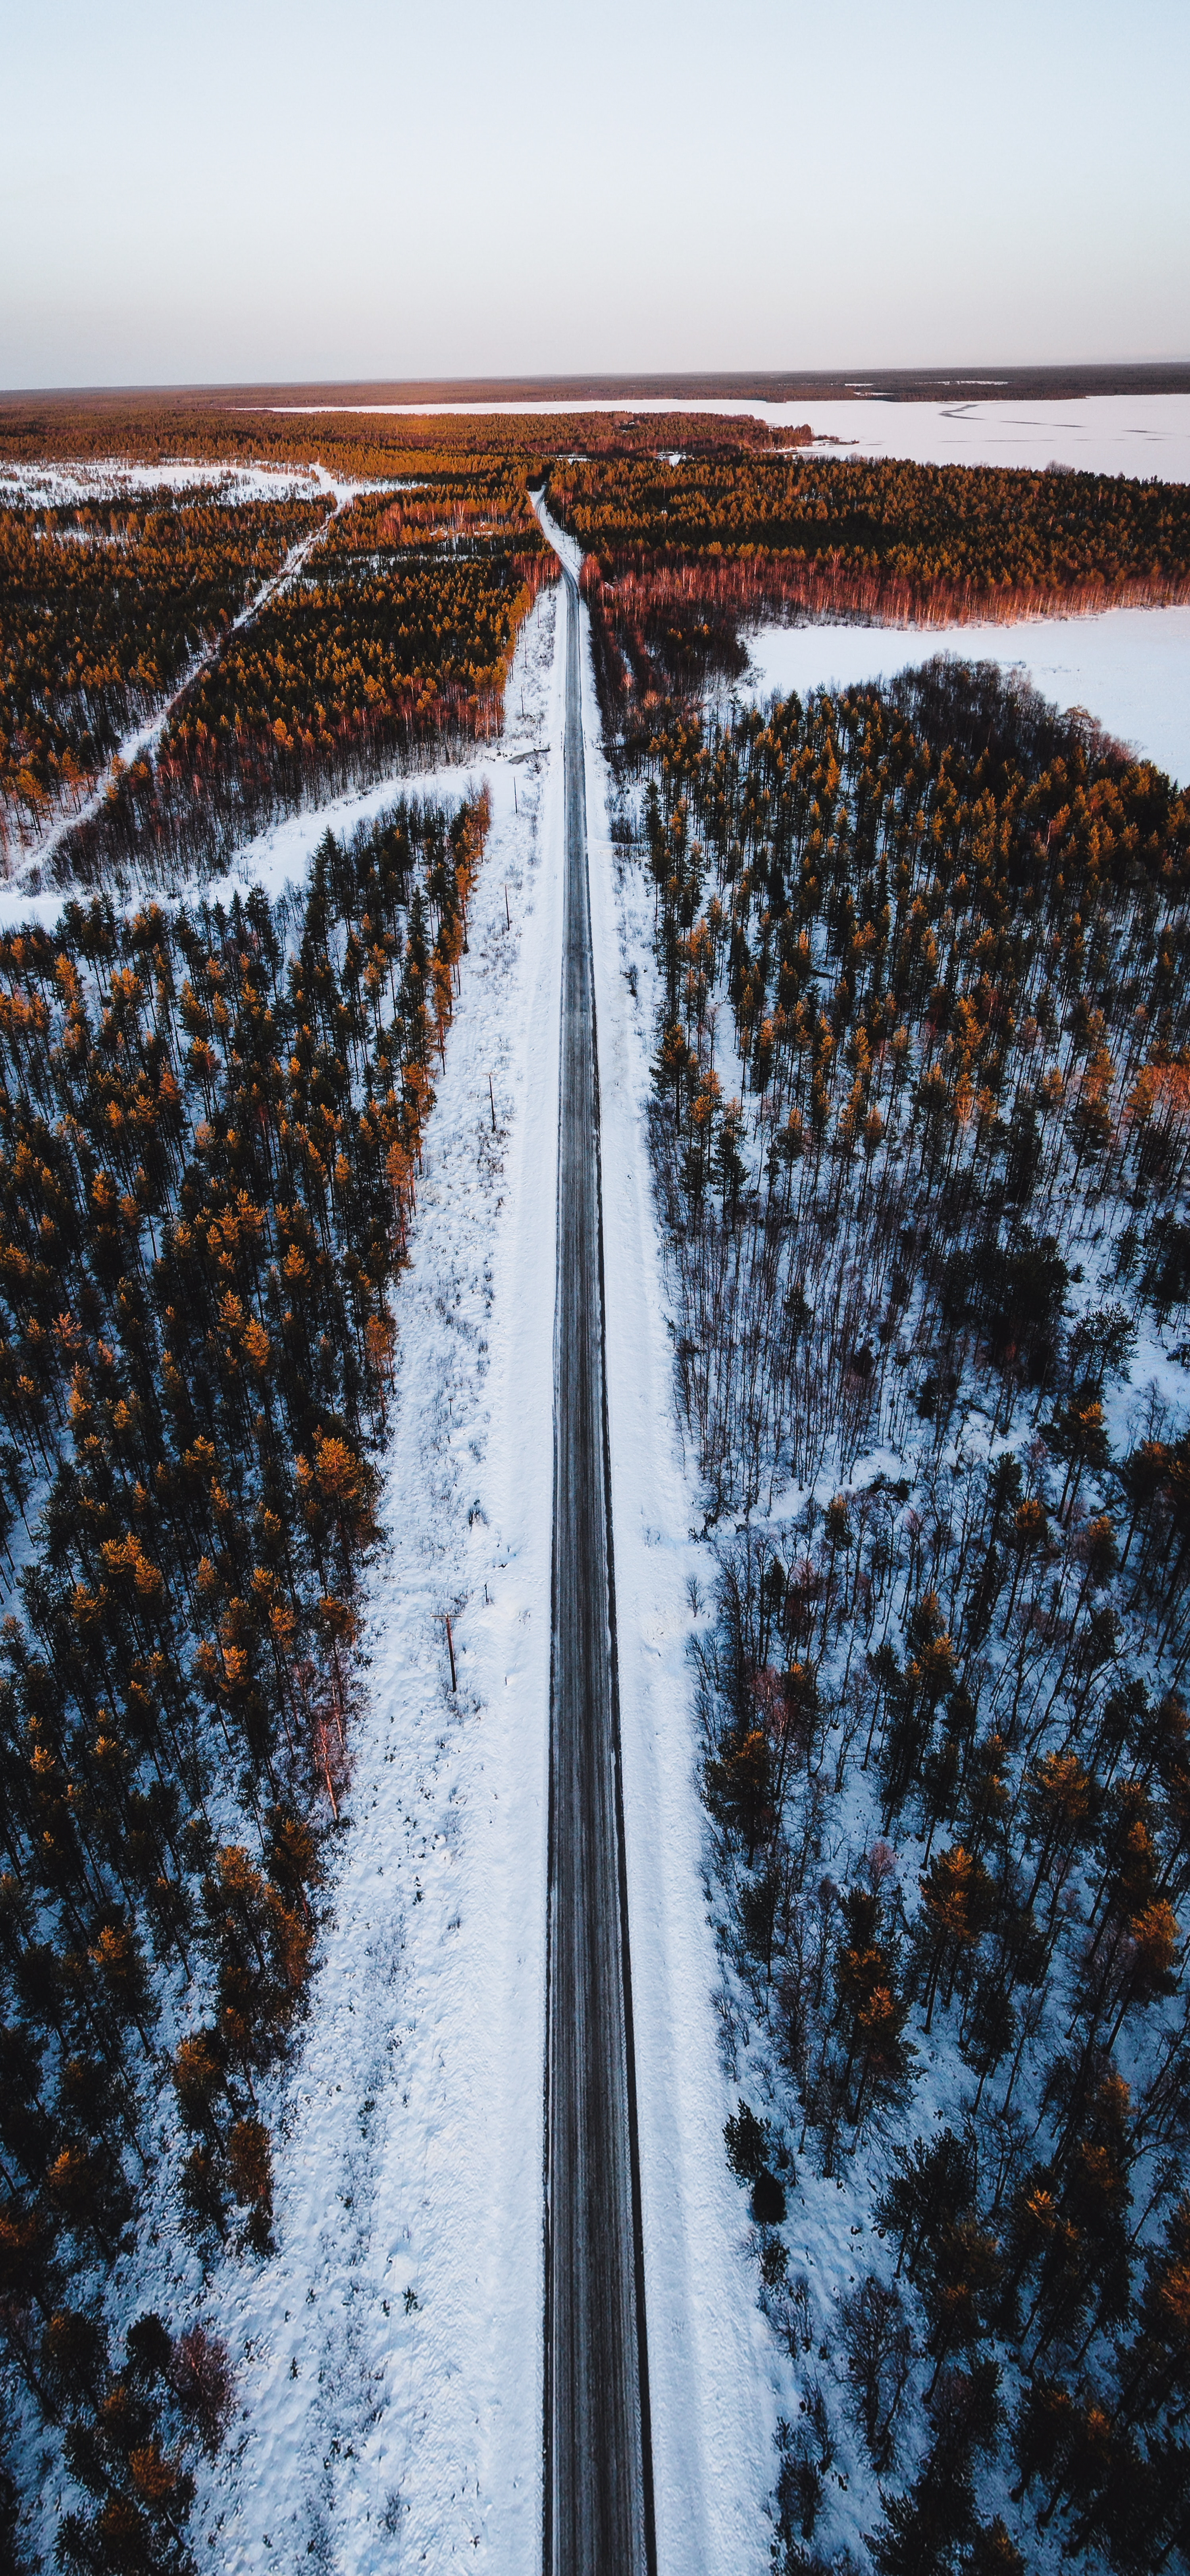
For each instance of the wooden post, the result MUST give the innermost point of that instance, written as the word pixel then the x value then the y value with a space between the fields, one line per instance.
pixel 450 1648
pixel 492 1098
pixel 507 914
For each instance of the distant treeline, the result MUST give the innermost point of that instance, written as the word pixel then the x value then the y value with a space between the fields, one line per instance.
pixel 351 443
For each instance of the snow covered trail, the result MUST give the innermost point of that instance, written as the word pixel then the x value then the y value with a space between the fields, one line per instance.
pixel 389 2355
pixel 35 483
pixel 146 737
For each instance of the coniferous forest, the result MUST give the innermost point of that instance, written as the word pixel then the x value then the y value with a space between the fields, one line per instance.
pixel 332 641
pixel 210 1135
pixel 749 533
pixel 919 961
pixel 922 1127
pixel 104 606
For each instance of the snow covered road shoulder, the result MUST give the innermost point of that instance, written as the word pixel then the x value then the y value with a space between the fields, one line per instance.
pixel 389 2356
pixel 712 2402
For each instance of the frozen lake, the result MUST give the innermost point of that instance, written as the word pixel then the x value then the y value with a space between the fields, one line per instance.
pixel 1141 434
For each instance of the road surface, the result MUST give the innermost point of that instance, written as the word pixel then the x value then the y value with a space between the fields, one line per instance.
pixel 598 2494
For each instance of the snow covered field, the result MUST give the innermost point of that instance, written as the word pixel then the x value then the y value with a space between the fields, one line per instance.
pixel 1142 434
pixel 35 486
pixel 1129 668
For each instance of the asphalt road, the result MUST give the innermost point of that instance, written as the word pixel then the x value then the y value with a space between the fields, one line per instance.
pixel 598 2492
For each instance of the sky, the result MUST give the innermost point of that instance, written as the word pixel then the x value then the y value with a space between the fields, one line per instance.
pixel 268 190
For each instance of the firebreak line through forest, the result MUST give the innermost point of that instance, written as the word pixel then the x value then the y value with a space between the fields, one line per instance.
pixel 387 642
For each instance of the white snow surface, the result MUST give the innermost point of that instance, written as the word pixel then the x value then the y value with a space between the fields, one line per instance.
pixel 1129 667
pixel 38 485
pixel 409 2151
pixel 1138 434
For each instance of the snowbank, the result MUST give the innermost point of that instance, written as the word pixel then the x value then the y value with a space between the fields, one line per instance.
pixel 389 2356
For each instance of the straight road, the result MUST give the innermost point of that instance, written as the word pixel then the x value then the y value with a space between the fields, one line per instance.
pixel 598 2491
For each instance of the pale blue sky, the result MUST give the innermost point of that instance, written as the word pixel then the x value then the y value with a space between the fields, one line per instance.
pixel 265 189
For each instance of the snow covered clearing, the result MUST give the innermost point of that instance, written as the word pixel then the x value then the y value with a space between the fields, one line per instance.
pixel 38 486
pixel 1141 434
pixel 279 857
pixel 1129 668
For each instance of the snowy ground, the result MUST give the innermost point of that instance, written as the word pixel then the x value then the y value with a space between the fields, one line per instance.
pixel 389 2355
pixel 36 486
pixel 1130 668
pixel 1141 434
